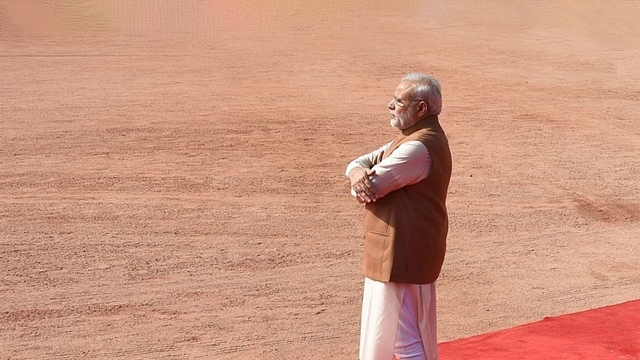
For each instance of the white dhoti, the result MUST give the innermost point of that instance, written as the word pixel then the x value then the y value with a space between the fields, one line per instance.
pixel 398 320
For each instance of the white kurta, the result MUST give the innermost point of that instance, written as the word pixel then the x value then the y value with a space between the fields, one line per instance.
pixel 410 163
pixel 398 319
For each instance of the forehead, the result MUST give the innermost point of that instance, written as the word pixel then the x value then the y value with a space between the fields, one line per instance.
pixel 404 90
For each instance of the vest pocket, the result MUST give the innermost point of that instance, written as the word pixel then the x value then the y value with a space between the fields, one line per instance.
pixel 377 219
pixel 377 257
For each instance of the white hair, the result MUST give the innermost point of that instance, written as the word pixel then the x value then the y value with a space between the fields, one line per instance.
pixel 426 88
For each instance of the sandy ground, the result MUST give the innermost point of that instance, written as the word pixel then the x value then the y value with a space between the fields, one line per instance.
pixel 171 173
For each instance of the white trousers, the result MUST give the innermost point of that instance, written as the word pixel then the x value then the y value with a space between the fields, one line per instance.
pixel 398 320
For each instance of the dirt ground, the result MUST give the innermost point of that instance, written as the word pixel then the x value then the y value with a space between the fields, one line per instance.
pixel 172 173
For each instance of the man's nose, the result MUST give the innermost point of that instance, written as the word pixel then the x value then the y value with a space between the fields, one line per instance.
pixel 392 105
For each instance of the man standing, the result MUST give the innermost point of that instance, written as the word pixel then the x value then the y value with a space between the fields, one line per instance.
pixel 404 187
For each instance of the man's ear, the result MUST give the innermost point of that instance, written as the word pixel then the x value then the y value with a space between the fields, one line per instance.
pixel 424 108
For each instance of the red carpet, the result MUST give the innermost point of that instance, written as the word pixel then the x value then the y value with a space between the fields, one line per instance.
pixel 611 332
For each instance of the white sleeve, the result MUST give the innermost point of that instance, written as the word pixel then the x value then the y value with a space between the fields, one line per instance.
pixel 367 161
pixel 407 165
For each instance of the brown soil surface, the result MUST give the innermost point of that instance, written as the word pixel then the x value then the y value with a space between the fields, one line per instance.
pixel 171 173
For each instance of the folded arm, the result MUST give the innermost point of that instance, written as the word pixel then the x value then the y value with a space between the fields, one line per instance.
pixel 372 179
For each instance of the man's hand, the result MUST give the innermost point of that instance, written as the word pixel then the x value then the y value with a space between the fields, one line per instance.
pixel 361 184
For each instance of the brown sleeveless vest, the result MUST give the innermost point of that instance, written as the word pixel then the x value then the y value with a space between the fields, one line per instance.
pixel 406 231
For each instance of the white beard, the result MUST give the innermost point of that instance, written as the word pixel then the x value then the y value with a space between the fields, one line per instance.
pixel 401 122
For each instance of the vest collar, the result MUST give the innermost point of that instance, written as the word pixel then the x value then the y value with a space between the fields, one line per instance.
pixel 421 124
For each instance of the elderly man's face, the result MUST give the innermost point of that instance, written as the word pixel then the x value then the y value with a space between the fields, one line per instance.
pixel 403 107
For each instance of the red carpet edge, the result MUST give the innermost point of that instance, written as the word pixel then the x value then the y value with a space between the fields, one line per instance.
pixel 611 332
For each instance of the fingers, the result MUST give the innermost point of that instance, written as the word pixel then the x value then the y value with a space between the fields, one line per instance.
pixel 362 185
pixel 365 189
pixel 356 175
